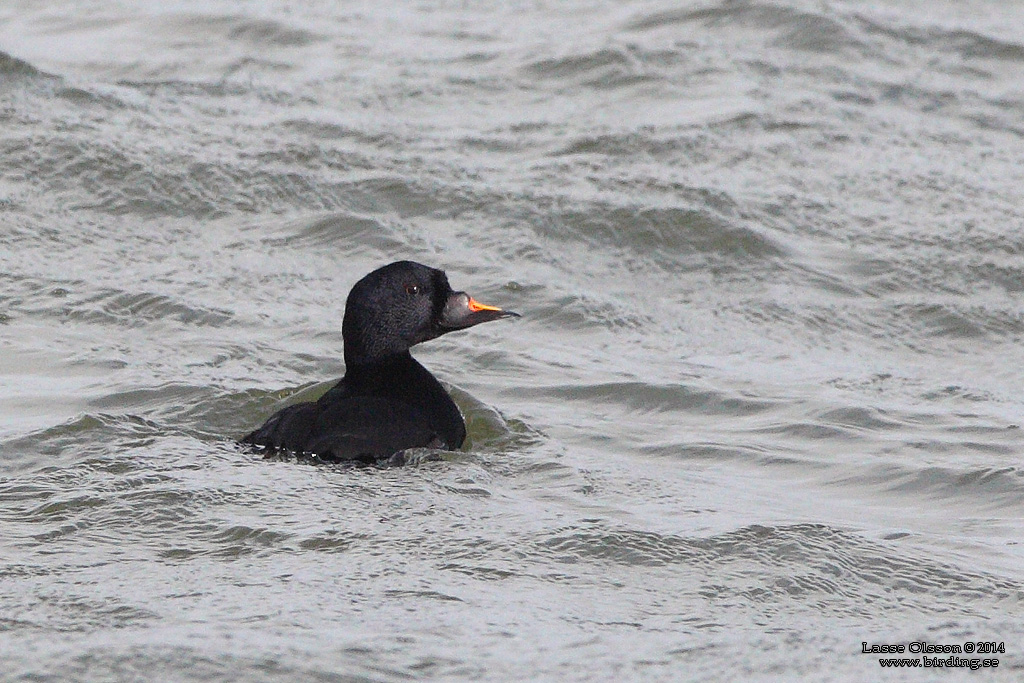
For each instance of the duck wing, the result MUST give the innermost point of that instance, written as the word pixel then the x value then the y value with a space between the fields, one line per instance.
pixel 360 428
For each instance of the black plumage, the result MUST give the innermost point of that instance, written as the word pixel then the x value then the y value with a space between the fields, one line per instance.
pixel 386 402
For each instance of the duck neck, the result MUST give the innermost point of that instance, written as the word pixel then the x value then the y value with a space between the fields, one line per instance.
pixel 400 377
pixel 393 369
pixel 396 375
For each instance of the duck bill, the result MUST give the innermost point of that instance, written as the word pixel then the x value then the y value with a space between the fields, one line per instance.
pixel 461 311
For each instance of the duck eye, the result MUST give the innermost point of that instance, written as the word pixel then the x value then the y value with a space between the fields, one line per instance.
pixel 412 290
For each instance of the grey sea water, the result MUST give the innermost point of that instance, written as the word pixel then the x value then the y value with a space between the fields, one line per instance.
pixel 763 405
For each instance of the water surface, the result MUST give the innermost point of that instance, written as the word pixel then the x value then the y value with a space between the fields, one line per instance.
pixel 763 403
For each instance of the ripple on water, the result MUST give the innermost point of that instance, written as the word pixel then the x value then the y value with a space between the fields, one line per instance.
pixel 810 565
pixel 967 43
pixel 88 436
pixel 603 69
pixel 134 309
pixel 982 489
pixel 646 397
pixel 683 236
